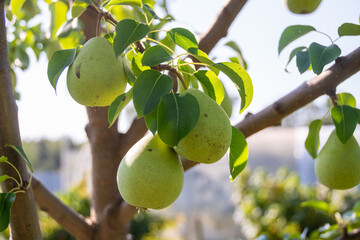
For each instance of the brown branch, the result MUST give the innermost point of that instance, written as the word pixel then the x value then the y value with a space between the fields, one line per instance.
pixel 72 221
pixel 304 94
pixel 221 25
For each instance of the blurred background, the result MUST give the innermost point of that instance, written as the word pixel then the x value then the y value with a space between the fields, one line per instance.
pixel 266 198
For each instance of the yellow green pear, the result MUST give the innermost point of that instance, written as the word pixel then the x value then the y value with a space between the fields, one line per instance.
pixel 151 174
pixel 96 77
pixel 211 137
pixel 338 165
pixel 302 6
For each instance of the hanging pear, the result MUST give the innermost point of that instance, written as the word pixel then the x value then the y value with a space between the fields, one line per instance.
pixel 151 174
pixel 338 165
pixel 211 137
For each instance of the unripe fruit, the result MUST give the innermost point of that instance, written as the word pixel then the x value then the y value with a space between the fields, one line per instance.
pixel 338 165
pixel 211 137
pixel 151 174
pixel 302 6
pixel 96 77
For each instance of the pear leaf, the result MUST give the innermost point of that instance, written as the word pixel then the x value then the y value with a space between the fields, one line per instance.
pixel 303 61
pixel 78 8
pixel 176 117
pixel 240 59
pixel 21 152
pixel 239 153
pixel 135 3
pixel 16 5
pixel 316 204
pixel 127 32
pixel 292 33
pixel 312 141
pixel 3 159
pixel 118 105
pixel 184 39
pixel 211 84
pixel 321 55
pixel 349 29
pixel 151 121
pixel 154 56
pixel 293 54
pixel 345 119
pixel 346 99
pixel 6 201
pixel 149 86
pixel 58 62
pixel 4 178
pixel 242 80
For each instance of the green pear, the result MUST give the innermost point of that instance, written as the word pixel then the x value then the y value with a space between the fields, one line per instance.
pixel 211 137
pixel 338 165
pixel 302 6
pixel 151 174
pixel 96 77
pixel 226 104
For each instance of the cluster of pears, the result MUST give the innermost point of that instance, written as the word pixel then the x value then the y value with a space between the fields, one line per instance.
pixel 338 164
pixel 97 76
pixel 302 6
pixel 151 174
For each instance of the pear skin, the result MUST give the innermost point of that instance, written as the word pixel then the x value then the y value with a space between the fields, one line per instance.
pixel 151 174
pixel 96 77
pixel 302 6
pixel 338 165
pixel 211 137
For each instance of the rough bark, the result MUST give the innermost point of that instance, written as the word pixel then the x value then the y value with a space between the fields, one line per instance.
pixel 23 221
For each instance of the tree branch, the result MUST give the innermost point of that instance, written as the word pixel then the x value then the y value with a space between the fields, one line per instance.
pixel 221 25
pixel 72 221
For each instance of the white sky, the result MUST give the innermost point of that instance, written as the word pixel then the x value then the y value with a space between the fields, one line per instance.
pixel 257 31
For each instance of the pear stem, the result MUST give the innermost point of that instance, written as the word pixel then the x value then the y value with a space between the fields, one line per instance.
pixel 101 14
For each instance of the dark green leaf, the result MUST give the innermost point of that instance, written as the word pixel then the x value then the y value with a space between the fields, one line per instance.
pixel 128 31
pixel 6 201
pixel 184 39
pixel 303 61
pixel 149 86
pixel 292 55
pixel 155 55
pixel 21 152
pixel 322 55
pixel 136 66
pixel 345 119
pixel 349 29
pixel 187 73
pixel 151 121
pixel 239 153
pixel 211 84
pixel 151 12
pixel 58 62
pixel 177 116
pixel 317 204
pixel 118 105
pixel 4 178
pixel 242 80
pixel 240 57
pixel 292 33
pixel 346 99
pixel 130 75
pixel 136 3
pixel 312 142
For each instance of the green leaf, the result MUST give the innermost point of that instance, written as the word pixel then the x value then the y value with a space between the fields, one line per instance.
pixel 349 29
pixel 184 39
pixel 312 141
pixel 177 116
pixel 239 153
pixel 16 6
pixel 21 152
pixel 346 99
pixel 130 75
pixel 303 61
pixel 155 55
pixel 187 73
pixel 236 48
pixel 149 86
pixel 345 119
pixel 151 121
pixel 58 11
pixel 68 27
pixel 242 80
pixel 58 62
pixel 136 66
pixel 316 204
pixel 4 178
pixel 135 3
pixel 292 55
pixel 321 55
pixel 3 159
pixel 211 84
pixel 356 207
pixel 292 33
pixel 78 8
pixel 87 1
pixel 118 105
pixel 262 237
pixel 204 58
pixel 127 32
pixel 6 201
pixel 150 12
